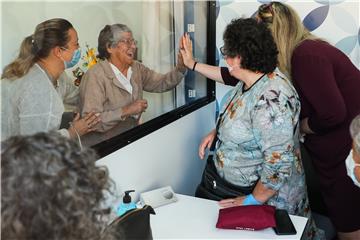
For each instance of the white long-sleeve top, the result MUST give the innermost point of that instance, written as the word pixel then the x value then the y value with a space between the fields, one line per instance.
pixel 30 104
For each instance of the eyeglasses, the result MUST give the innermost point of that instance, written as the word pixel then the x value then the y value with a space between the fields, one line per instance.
pixel 225 52
pixel 129 42
pixel 222 51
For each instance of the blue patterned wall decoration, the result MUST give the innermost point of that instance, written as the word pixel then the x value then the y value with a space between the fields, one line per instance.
pixel 329 2
pixel 334 20
pixel 347 44
pixel 347 23
pixel 316 17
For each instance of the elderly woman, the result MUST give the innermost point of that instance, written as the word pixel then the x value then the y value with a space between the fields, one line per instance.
pixel 114 86
pixel 258 131
pixel 59 189
pixel 30 101
pixel 353 160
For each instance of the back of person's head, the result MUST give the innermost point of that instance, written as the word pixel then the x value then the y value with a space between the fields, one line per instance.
pixel 50 189
pixel 109 37
pixel 283 20
pixel 47 35
pixel 252 41
pixel 287 29
pixel 355 133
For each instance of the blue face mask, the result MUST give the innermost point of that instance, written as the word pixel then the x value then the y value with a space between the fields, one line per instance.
pixel 75 59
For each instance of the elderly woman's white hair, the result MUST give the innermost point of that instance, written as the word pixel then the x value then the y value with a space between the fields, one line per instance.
pixel 355 132
pixel 110 36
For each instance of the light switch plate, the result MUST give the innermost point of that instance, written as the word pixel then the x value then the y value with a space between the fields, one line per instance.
pixel 191 27
pixel 158 197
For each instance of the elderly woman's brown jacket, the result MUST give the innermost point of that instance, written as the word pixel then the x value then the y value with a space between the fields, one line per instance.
pixel 102 92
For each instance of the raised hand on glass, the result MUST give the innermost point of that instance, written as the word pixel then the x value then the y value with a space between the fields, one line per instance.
pixel 186 51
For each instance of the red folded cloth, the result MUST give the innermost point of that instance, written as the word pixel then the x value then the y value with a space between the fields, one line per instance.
pixel 251 217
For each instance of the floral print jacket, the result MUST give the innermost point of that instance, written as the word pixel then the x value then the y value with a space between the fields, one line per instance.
pixel 258 141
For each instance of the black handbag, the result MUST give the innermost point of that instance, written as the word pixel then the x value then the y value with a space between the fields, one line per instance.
pixel 134 224
pixel 214 187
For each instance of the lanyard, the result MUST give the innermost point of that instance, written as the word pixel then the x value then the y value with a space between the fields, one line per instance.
pixel 222 117
pixel 221 120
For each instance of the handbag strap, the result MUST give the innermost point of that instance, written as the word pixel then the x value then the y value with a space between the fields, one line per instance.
pixel 221 116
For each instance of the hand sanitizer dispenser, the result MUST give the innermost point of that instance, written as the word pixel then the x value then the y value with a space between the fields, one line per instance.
pixel 126 205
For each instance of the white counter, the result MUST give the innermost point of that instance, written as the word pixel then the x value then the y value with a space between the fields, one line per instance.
pixel 195 218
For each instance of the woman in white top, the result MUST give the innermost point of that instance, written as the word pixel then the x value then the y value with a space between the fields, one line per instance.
pixel 30 102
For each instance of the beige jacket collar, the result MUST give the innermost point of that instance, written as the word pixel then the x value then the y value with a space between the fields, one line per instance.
pixel 105 65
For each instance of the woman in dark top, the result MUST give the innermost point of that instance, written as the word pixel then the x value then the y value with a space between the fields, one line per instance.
pixel 329 88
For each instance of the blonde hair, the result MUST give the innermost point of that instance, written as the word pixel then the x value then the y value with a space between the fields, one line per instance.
pixel 48 34
pixel 21 65
pixel 287 29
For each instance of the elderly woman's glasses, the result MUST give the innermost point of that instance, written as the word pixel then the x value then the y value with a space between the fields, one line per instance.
pixel 129 42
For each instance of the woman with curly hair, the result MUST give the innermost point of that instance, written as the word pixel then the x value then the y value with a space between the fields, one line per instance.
pixel 257 135
pixel 51 189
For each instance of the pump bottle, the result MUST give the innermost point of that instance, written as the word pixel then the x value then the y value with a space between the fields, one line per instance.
pixel 126 205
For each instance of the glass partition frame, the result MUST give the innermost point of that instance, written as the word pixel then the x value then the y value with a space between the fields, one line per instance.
pixel 111 145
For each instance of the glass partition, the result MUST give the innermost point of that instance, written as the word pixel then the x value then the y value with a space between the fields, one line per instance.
pixel 156 26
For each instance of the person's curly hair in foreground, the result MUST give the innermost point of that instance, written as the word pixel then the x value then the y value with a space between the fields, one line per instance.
pixel 51 189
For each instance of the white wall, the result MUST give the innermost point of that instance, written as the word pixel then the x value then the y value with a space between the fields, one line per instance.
pixel 168 156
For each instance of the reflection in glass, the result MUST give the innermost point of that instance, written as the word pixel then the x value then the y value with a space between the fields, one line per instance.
pixel 156 25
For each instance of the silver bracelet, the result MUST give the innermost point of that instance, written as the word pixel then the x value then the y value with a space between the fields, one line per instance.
pixel 77 134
